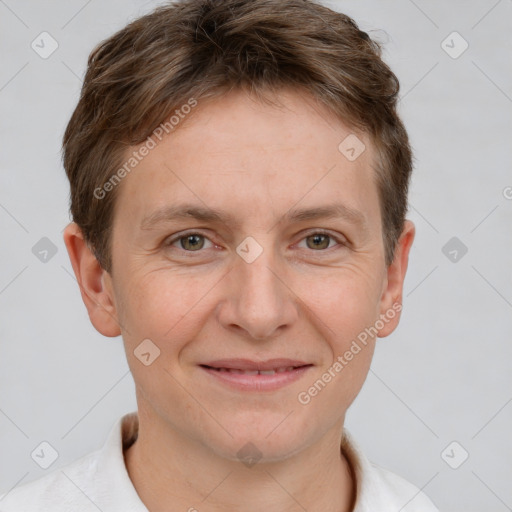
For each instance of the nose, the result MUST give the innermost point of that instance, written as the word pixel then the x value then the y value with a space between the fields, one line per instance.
pixel 259 302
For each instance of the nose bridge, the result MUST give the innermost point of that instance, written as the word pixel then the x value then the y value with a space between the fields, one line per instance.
pixel 261 303
pixel 258 280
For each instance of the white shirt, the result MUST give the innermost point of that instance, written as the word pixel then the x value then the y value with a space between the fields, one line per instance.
pixel 100 481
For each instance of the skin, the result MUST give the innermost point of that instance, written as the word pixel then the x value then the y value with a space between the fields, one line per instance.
pixel 256 162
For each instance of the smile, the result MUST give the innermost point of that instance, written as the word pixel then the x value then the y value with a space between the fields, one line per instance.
pixel 259 380
pixel 256 372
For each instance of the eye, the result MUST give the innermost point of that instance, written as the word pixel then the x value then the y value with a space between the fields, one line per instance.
pixel 193 242
pixel 190 242
pixel 320 241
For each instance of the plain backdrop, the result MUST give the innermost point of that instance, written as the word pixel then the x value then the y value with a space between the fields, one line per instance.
pixel 440 386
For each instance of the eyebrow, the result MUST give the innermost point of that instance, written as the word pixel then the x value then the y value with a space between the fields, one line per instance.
pixel 200 213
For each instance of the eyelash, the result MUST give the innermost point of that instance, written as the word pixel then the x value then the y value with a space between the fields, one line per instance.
pixel 171 241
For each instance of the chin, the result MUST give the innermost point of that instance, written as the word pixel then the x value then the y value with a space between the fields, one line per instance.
pixel 263 441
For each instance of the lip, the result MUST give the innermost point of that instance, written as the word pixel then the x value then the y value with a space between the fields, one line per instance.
pixel 256 382
pixel 247 364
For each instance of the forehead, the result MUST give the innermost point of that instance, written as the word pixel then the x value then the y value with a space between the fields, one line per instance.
pixel 236 153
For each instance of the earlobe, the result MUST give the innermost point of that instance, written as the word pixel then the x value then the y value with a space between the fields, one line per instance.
pixel 98 298
pixel 391 300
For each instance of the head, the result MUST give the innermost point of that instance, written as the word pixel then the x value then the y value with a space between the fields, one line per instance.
pixel 209 140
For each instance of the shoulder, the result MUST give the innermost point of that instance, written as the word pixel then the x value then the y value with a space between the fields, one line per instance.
pixel 97 481
pixel 380 489
pixel 400 493
pixel 57 491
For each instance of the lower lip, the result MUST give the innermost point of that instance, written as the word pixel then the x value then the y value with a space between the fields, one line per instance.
pixel 257 382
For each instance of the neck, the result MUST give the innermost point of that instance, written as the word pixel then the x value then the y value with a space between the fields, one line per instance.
pixel 171 472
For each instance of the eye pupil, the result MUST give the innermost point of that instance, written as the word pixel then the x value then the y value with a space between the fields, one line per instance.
pixel 195 241
pixel 319 241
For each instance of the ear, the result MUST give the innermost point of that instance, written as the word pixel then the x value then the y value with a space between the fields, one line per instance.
pixel 94 282
pixel 391 299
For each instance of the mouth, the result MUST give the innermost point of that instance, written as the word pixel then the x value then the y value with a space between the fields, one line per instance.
pixel 246 375
pixel 254 372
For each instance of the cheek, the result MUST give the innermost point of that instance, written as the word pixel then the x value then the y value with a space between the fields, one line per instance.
pixel 159 304
pixel 167 309
pixel 346 300
pixel 346 307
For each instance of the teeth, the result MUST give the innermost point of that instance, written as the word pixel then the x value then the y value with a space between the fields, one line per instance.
pixel 256 372
pixel 287 369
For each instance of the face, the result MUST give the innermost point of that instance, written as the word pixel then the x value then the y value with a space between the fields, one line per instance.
pixel 280 256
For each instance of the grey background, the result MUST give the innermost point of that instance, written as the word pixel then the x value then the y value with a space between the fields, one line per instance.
pixel 443 376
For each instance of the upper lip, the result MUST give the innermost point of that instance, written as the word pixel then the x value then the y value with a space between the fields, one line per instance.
pixel 247 364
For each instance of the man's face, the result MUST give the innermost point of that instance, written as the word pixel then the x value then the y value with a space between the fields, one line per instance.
pixel 201 292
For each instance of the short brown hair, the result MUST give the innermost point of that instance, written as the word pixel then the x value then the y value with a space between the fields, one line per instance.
pixel 203 48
